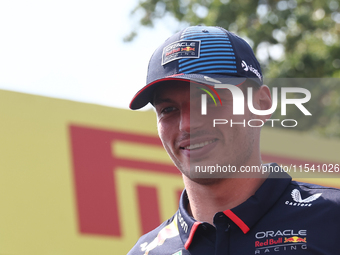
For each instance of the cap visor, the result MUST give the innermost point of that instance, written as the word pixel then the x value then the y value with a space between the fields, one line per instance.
pixel 145 95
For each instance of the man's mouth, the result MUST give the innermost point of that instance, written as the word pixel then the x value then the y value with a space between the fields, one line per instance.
pixel 198 145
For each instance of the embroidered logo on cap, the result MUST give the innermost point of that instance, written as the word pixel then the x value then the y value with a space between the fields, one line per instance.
pixel 247 68
pixel 244 66
pixel 181 49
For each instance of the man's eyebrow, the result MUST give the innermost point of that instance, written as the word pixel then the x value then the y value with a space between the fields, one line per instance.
pixel 162 100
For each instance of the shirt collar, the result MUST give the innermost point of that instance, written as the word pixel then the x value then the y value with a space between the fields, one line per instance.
pixel 263 199
pixel 187 225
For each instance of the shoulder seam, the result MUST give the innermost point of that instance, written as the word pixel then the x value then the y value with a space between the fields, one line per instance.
pixel 307 185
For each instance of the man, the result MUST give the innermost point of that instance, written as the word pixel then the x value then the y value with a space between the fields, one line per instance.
pixel 227 211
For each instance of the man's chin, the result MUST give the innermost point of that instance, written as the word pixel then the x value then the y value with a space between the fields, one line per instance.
pixel 206 181
pixel 205 178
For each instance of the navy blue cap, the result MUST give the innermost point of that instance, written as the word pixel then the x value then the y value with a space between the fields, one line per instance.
pixel 202 54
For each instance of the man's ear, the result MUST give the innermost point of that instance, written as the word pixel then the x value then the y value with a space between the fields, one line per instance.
pixel 263 100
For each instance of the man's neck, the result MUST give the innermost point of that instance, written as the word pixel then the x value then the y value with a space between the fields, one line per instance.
pixel 206 200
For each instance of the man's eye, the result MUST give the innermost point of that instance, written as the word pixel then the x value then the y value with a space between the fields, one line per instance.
pixel 168 109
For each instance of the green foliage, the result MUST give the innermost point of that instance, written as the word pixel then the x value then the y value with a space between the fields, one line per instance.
pixel 291 39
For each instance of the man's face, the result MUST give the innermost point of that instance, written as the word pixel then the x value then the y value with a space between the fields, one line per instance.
pixel 190 138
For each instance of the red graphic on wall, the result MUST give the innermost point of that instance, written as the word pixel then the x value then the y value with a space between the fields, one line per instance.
pixel 94 165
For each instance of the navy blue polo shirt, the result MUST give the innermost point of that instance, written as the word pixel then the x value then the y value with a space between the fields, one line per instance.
pixel 282 217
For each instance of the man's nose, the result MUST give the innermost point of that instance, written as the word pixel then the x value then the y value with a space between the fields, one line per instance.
pixel 190 118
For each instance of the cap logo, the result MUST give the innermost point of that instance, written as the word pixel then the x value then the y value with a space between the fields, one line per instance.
pixel 250 68
pixel 244 66
pixel 181 49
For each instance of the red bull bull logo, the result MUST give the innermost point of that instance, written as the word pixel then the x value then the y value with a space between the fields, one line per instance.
pixel 188 49
pixel 295 239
